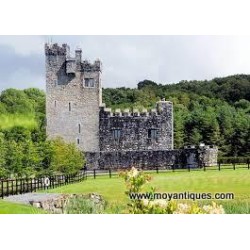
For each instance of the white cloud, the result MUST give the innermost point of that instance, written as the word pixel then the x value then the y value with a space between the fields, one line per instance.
pixel 24 45
pixel 24 78
pixel 130 59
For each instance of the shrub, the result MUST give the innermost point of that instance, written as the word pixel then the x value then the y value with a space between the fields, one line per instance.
pixel 135 180
pixel 80 205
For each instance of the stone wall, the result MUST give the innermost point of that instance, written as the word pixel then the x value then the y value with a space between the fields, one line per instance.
pixel 72 108
pixel 135 128
pixel 150 159
pixel 209 155
pixel 144 159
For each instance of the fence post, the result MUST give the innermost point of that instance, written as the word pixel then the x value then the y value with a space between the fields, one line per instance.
pixel 219 166
pixel 188 167
pixel 94 174
pixel 157 170
pixel 16 186
pixel 12 187
pixel 248 163
pixel 110 173
pixel 21 183
pixel 44 186
pixel 173 168
pixel 31 185
pixel 7 188
pixel 2 194
pixel 234 165
pixel 204 167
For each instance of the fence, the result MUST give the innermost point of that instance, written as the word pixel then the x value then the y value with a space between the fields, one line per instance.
pixel 26 185
pixel 220 166
pixel 172 168
pixel 20 186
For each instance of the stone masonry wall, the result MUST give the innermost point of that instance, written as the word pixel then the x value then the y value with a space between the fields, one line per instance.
pixel 145 159
pixel 72 109
pixel 134 129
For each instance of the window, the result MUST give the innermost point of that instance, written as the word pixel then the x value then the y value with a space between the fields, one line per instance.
pixel 152 134
pixel 116 134
pixel 89 82
pixel 78 141
pixel 69 106
pixel 55 104
pixel 79 128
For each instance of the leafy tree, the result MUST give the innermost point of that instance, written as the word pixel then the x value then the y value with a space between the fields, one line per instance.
pixel 14 164
pixel 146 83
pixel 3 172
pixel 16 101
pixel 66 158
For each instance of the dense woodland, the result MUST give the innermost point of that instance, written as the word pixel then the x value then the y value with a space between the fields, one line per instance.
pixel 24 150
pixel 214 112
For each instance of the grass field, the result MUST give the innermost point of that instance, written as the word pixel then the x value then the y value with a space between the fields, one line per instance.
pixel 237 182
pixel 13 208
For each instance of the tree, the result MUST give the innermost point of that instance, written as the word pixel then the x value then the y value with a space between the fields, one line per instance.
pixel 16 101
pixel 14 157
pixel 66 158
pixel 146 83
pixel 3 172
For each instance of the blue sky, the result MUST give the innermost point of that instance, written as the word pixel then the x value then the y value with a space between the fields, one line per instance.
pixel 129 59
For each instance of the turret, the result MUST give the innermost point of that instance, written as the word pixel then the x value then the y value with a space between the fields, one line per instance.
pixel 78 58
pixel 164 106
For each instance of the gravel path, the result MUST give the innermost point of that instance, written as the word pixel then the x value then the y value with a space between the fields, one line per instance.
pixel 26 198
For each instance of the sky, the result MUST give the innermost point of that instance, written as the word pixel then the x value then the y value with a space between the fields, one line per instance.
pixel 129 59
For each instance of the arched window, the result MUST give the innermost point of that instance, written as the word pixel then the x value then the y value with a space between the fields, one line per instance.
pixel 69 106
pixel 79 128
pixel 78 141
pixel 55 104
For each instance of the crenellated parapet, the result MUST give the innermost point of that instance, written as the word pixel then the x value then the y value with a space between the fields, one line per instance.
pixel 90 67
pixel 56 50
pixel 73 63
pixel 135 112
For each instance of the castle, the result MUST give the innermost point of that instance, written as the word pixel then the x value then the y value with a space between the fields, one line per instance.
pixel 75 112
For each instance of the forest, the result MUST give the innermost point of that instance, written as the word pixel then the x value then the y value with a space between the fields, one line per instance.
pixel 24 148
pixel 216 112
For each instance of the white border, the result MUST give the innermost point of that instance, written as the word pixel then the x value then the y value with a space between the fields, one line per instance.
pixel 134 17
pixel 124 17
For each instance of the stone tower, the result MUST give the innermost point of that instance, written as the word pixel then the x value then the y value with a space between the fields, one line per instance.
pixel 73 97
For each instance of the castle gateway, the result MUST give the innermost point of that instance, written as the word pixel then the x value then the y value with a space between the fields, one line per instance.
pixel 75 112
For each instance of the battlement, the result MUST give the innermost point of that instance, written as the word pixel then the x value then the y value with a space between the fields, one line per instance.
pixel 134 112
pixel 90 67
pixel 56 50
pixel 73 63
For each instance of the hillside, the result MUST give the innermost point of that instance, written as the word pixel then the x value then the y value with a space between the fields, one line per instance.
pixel 215 112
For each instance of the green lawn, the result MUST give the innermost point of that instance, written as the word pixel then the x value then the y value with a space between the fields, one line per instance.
pixel 113 189
pixel 235 181
pixel 14 208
